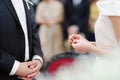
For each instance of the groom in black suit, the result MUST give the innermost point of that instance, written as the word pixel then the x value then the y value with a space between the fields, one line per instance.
pixel 20 53
pixel 76 15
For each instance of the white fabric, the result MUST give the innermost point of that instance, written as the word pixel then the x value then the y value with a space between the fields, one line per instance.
pixel 15 67
pixel 109 7
pixel 76 2
pixel 105 38
pixel 38 57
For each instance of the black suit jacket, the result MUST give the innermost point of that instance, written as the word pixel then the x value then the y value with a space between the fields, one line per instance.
pixel 12 39
pixel 77 15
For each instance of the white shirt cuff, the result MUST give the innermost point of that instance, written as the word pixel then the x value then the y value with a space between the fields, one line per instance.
pixel 15 67
pixel 38 57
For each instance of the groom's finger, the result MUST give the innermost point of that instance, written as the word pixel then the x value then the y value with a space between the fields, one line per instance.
pixel 32 75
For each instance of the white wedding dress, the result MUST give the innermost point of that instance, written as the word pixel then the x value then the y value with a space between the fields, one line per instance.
pixel 106 69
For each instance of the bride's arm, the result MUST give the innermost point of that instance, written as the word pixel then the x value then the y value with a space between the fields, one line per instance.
pixel 80 44
pixel 115 20
pixel 99 51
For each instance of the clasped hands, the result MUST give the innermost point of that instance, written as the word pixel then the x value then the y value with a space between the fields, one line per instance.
pixel 29 70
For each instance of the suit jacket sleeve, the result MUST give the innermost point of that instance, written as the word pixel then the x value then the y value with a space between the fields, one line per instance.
pixel 36 48
pixel 6 62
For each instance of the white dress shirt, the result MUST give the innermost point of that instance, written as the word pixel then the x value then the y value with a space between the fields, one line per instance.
pixel 20 10
pixel 76 2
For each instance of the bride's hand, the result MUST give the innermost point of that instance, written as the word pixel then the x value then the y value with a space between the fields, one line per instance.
pixel 79 43
pixel 72 38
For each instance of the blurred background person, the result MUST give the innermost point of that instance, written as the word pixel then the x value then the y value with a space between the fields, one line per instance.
pixel 76 14
pixel 50 15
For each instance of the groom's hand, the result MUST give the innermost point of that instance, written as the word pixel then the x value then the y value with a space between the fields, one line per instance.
pixel 24 69
pixel 36 66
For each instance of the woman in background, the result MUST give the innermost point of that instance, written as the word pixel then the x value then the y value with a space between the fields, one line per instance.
pixel 50 15
pixel 107 46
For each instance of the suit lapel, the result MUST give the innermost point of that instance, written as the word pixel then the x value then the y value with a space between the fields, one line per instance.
pixel 9 5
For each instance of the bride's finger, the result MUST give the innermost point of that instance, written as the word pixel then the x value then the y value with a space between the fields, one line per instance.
pixel 70 41
pixel 72 36
pixel 75 41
